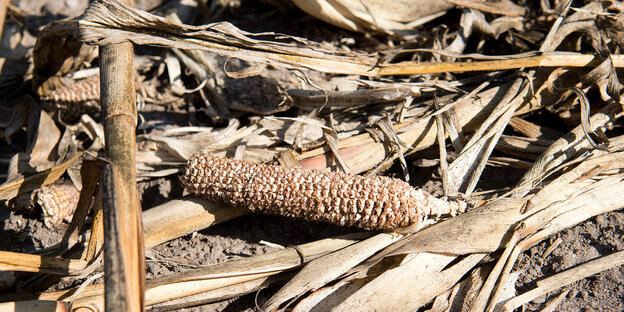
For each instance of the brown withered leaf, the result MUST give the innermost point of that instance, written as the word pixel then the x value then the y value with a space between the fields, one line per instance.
pixel 502 7
pixel 21 185
pixel 109 22
pixel 392 17
pixel 43 149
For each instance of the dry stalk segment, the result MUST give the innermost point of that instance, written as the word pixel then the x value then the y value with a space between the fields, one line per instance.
pixel 313 195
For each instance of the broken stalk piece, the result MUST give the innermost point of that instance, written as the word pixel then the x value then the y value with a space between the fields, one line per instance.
pixel 343 199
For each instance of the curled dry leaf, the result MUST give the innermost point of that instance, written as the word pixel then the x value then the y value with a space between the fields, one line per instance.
pixel 183 142
pixel 20 185
pixel 43 135
pixel 475 20
pixel 502 7
pixel 392 17
pixel 612 25
pixel 16 45
pixel 43 150
pixel 109 22
pixel 303 132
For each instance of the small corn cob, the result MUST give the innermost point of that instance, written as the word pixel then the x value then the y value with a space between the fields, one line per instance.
pixel 58 202
pixel 338 198
pixel 71 102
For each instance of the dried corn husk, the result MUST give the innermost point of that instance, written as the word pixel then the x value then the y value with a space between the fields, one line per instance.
pixel 390 17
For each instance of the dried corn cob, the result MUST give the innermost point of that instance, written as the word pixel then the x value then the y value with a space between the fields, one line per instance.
pixel 82 97
pixel 338 198
pixel 58 202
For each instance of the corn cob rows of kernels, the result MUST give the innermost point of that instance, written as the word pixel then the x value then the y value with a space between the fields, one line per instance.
pixel 82 97
pixel 58 202
pixel 338 198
